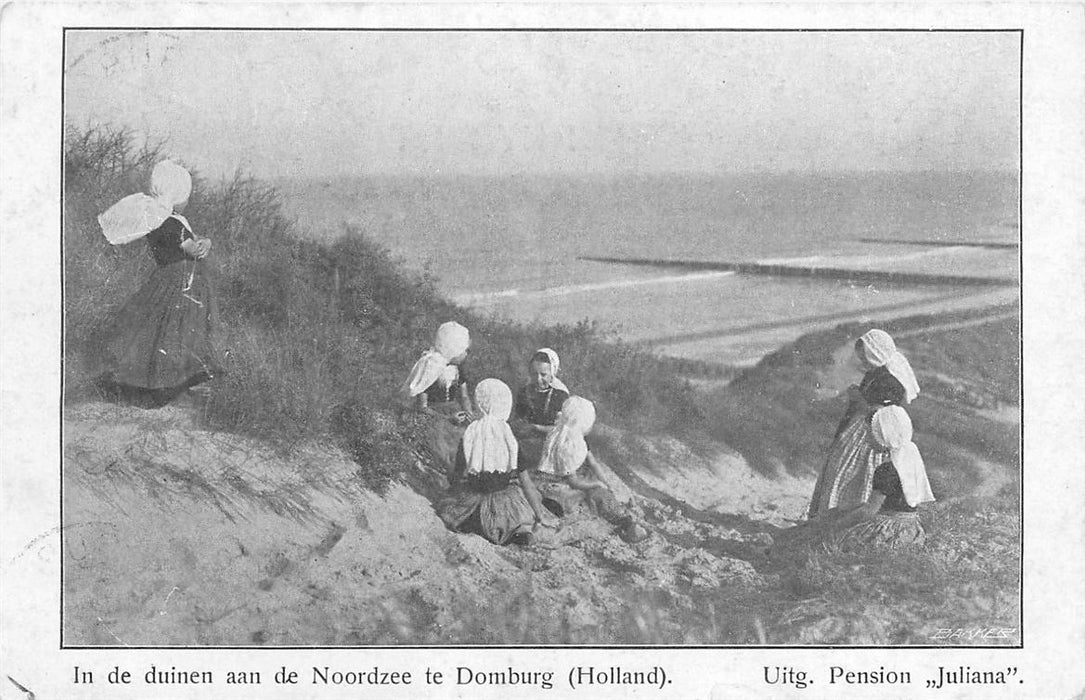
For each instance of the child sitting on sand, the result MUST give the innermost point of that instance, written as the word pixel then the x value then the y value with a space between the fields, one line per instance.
pixel 437 382
pixel 889 516
pixel 565 452
pixel 489 494
pixel 438 386
pixel 537 405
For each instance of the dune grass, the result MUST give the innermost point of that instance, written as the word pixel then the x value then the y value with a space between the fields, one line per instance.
pixel 773 415
pixel 318 336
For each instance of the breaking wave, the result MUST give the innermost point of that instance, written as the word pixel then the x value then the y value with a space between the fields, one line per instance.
pixel 483 298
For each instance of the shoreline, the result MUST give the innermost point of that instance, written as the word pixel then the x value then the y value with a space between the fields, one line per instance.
pixel 978 308
pixel 742 345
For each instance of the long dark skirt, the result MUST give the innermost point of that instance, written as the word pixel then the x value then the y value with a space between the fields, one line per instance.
pixel 163 337
pixel 886 529
pixel 499 515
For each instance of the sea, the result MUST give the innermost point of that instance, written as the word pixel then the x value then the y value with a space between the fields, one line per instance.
pixel 515 247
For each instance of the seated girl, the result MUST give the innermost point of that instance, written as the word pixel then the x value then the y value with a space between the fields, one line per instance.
pixel 889 516
pixel 437 382
pixel 438 386
pixel 537 404
pixel 558 477
pixel 489 495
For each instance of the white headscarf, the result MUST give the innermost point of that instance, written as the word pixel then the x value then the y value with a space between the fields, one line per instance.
pixel 892 428
pixel 138 214
pixel 555 363
pixel 565 449
pixel 880 350
pixel 488 443
pixel 451 341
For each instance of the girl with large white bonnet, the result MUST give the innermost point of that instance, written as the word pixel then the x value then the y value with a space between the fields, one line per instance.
pixel 490 495
pixel 888 380
pixel 437 382
pixel 889 516
pixel 162 340
pixel 560 477
pixel 900 485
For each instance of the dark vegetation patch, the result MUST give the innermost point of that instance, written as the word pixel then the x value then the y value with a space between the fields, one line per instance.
pixel 772 414
pixel 319 336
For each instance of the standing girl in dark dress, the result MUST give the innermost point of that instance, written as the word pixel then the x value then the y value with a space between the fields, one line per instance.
pixel 847 478
pixel 537 405
pixel 489 494
pixel 162 340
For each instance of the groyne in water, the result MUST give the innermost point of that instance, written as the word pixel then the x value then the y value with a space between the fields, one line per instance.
pixel 842 274
pixel 994 245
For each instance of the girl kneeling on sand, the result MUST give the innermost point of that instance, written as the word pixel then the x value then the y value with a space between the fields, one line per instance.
pixel 565 452
pixel 537 405
pixel 438 386
pixel 889 516
pixel 847 477
pixel 489 495
pixel 437 383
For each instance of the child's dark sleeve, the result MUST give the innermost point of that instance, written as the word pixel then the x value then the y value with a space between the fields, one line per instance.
pixel 886 480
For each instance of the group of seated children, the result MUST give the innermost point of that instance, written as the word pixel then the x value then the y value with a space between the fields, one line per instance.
pixel 521 462
pixel 508 480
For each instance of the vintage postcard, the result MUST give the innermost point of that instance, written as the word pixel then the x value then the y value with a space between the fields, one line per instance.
pixel 692 351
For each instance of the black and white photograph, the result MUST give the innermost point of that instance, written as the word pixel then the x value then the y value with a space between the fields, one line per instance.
pixel 523 337
pixel 566 337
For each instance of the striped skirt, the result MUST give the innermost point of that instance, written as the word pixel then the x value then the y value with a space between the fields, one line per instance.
pixel 848 474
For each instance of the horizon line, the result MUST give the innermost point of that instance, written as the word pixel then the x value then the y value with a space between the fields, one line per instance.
pixel 629 174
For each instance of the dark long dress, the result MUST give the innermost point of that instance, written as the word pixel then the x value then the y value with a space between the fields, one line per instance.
pixel 163 337
pixel 847 477
pixel 491 504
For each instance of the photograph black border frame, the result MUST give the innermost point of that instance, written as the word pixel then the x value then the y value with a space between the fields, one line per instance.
pixel 465 30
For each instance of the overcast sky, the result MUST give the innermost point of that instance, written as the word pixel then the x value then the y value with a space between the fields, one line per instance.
pixel 343 103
